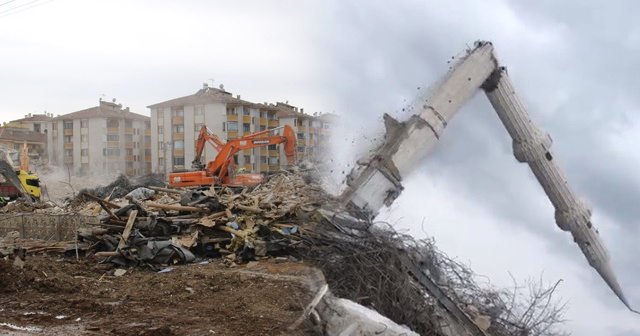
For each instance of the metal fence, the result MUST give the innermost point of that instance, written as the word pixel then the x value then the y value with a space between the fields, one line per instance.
pixel 49 227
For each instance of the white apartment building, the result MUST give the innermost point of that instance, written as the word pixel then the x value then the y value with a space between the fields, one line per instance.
pixel 175 125
pixel 101 139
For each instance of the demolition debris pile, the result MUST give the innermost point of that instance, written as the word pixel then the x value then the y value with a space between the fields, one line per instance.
pixel 288 218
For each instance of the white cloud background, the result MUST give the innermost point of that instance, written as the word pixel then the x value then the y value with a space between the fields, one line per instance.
pixel 574 64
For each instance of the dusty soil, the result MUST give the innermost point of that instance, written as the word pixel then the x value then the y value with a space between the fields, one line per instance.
pixel 53 296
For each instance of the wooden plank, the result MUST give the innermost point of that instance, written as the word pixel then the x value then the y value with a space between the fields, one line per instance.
pixel 127 229
pixel 98 199
pixel 176 207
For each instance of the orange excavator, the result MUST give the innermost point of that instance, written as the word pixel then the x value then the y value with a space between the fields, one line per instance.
pixel 221 170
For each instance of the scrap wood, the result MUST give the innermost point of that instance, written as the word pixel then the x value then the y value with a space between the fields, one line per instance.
pixel 248 208
pixel 176 207
pixel 98 199
pixel 127 229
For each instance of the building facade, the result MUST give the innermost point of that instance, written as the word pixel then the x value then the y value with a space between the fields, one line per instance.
pixel 102 139
pixel 15 136
pixel 176 123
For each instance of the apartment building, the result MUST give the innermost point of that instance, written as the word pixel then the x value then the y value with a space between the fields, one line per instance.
pixel 101 139
pixel 38 123
pixel 14 136
pixel 175 125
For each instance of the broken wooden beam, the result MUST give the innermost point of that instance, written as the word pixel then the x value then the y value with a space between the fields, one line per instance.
pixel 176 207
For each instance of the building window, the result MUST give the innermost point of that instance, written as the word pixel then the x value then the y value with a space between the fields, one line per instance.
pixel 160 129
pixel 273 161
pixel 263 114
pixel 84 138
pixel 178 113
pixel 54 126
pixel 263 128
pixel 147 151
pixel 300 135
pixel 232 126
pixel 84 152
pixel 263 160
pixel 129 151
pixel 199 110
pixel 113 123
pixel 128 124
pixel 160 145
pixel 198 127
pixel 160 162
pixel 245 111
pixel 36 128
pixel 68 125
pixel 247 159
pixel 300 149
pixel 160 113
pixel 178 144
pixel 68 152
pixel 68 139
pixel 178 129
pixel 246 127
pixel 113 137
pixel 272 147
pixel 128 137
pixel 111 151
pixel 178 161
pixel 231 111
pixel 147 138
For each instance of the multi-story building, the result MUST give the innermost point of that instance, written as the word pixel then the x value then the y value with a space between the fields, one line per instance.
pixel 101 139
pixel 14 136
pixel 175 125
pixel 38 123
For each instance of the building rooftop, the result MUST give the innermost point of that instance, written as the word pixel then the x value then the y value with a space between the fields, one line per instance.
pixel 205 95
pixel 104 110
pixel 21 134
pixel 35 117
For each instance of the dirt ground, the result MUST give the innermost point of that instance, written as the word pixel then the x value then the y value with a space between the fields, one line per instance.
pixel 54 296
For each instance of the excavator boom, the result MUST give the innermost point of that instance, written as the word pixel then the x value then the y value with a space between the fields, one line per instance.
pixel 377 181
pixel 220 169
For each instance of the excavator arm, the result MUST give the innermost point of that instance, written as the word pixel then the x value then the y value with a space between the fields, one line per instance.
pixel 220 165
pixel 205 136
pixel 377 180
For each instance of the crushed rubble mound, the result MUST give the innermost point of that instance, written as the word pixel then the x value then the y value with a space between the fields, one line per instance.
pixel 147 227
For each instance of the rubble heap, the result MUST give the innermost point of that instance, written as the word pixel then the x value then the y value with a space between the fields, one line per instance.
pixel 290 217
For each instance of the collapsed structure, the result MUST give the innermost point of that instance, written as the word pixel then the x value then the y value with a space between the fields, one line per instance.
pixel 378 179
pixel 289 217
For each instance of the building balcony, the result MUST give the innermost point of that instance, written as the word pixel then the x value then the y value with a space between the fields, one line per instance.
pixel 147 132
pixel 129 144
pixel 302 128
pixel 115 130
pixel 128 130
pixel 246 119
pixel 232 118
pixel 177 120
pixel 113 158
pixel 263 121
pixel 274 168
pixel 68 159
pixel 113 144
pixel 178 152
pixel 68 145
pixel 248 167
pixel 274 153
pixel 263 151
pixel 129 158
pixel 68 131
pixel 312 129
pixel 147 145
pixel 311 142
pixel 273 123
pixel 232 134
pixel 177 136
pixel 247 152
pixel 130 172
pixel 264 167
pixel 147 158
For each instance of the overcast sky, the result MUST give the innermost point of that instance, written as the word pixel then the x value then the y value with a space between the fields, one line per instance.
pixel 572 63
